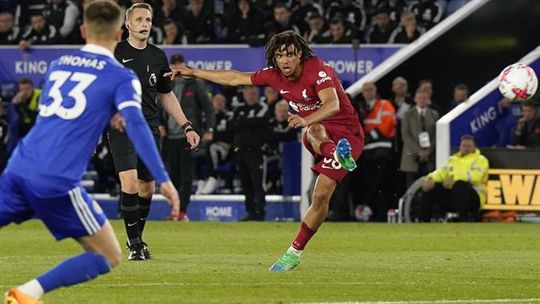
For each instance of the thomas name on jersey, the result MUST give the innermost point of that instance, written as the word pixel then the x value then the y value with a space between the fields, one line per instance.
pixel 78 61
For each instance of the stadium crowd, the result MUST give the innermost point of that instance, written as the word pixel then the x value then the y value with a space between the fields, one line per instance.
pixel 250 22
pixel 399 147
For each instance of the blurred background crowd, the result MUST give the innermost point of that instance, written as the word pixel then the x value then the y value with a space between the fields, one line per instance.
pixel 236 121
pixel 252 22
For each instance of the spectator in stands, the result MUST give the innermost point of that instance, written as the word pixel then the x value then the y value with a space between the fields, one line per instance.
pixel 198 109
pixel 64 16
pixel 401 101
pixel 394 8
pixel 281 132
pixel 4 132
pixel 174 33
pixel 26 9
pixel 280 125
pixel 198 22
pixel 247 24
pixel 170 10
pixel 39 32
pixel 317 31
pixel 156 35
pixel 339 32
pixel 302 10
pixel 271 97
pixel 107 179
pixel 527 134
pixel 458 186
pixel 250 125
pixel 510 112
pixel 282 21
pixel 408 31
pixel 9 33
pixel 219 148
pixel 379 125
pixel 26 104
pixel 427 12
pixel 418 134
pixel 350 12
pixel 461 93
pixel 427 85
pixel 382 28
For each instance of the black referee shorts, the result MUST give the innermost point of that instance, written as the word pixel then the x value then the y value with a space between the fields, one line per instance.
pixel 125 157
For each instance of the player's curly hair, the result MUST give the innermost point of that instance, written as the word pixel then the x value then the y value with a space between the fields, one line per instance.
pixel 281 41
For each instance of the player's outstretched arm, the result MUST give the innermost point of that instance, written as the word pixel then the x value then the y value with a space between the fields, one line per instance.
pixel 223 77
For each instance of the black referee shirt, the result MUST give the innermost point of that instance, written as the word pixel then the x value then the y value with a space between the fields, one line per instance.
pixel 149 64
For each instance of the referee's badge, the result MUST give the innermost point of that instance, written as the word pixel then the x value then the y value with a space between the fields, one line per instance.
pixel 152 80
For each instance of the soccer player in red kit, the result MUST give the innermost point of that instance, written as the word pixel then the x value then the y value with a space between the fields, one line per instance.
pixel 333 133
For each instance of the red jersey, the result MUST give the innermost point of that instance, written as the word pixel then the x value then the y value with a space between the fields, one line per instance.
pixel 301 93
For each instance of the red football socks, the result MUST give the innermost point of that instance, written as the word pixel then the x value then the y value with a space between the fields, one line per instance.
pixel 303 237
pixel 327 149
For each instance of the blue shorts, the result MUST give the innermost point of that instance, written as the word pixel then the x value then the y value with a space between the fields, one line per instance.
pixel 74 214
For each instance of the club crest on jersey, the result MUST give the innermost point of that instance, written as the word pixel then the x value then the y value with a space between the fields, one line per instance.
pixel 304 94
pixel 152 80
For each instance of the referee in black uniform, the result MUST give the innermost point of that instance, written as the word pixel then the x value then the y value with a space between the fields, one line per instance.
pixel 137 184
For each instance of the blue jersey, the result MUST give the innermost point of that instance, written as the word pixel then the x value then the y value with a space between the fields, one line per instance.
pixel 83 90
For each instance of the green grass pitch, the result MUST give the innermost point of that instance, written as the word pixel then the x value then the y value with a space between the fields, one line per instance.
pixel 205 262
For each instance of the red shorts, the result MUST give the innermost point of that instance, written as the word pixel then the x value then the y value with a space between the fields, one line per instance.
pixel 330 167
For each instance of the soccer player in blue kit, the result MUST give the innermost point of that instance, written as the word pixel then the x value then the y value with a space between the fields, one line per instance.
pixel 83 90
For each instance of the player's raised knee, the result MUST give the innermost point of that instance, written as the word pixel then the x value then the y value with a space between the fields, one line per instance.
pixel 316 130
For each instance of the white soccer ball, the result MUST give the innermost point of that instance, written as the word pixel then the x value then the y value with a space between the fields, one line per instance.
pixel 518 82
pixel 363 213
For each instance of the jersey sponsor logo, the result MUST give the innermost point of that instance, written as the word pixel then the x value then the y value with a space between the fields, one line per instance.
pixel 58 79
pixel 282 91
pixel 330 163
pixel 302 107
pixel 152 80
pixel 126 60
pixel 323 77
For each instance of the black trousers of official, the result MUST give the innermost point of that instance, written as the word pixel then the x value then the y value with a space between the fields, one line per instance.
pixel 250 168
pixel 181 167
pixel 461 199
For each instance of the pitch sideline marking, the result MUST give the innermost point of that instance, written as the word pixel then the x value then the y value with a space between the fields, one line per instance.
pixel 532 300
